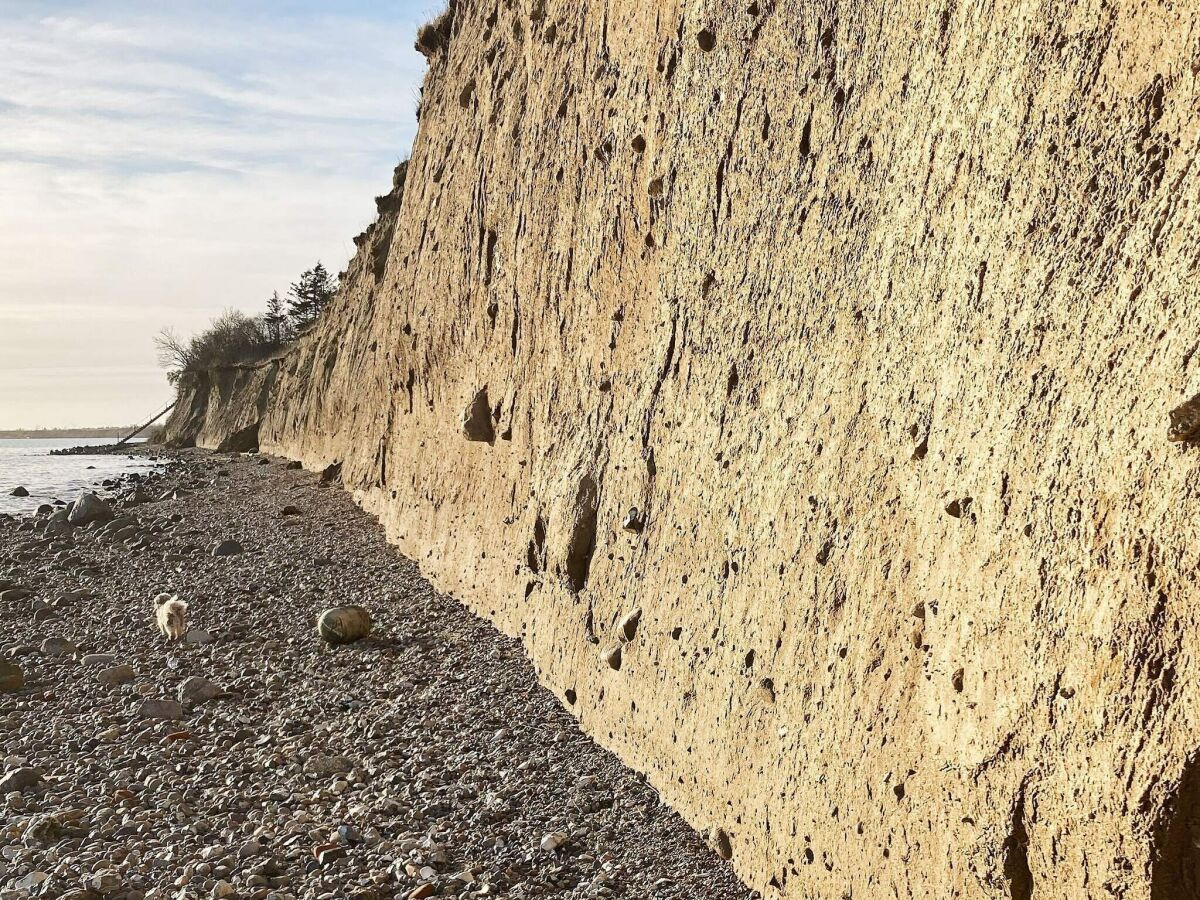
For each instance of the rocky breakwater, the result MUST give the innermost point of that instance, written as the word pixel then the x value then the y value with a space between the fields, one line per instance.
pixel 253 760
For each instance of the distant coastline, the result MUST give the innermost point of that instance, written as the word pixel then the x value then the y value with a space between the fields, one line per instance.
pixel 115 431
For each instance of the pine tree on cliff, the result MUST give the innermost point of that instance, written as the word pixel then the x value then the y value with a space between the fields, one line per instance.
pixel 310 295
pixel 279 326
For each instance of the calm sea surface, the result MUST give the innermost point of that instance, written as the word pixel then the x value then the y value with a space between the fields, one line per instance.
pixel 28 463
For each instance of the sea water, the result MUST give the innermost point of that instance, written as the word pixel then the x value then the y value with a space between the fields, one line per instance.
pixel 27 463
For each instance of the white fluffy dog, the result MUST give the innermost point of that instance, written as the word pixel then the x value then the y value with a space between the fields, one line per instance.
pixel 171 614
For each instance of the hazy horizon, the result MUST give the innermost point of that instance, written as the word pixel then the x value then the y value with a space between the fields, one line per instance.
pixel 157 167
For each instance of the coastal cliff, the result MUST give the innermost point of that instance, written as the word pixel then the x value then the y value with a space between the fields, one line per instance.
pixel 792 378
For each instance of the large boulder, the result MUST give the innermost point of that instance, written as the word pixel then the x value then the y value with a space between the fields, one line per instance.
pixel 19 780
pixel 19 491
pixel 199 690
pixel 89 508
pixel 160 709
pixel 344 624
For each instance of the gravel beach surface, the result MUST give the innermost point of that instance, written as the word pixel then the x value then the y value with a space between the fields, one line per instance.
pixel 252 760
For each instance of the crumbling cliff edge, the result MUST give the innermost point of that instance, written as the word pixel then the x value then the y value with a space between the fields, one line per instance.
pixel 793 378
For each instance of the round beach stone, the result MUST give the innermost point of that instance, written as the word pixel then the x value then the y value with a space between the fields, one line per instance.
pixel 89 508
pixel 344 624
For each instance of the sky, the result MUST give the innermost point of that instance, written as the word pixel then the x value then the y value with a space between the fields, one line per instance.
pixel 163 160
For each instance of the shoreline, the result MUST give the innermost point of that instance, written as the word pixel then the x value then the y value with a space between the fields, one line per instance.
pixel 423 761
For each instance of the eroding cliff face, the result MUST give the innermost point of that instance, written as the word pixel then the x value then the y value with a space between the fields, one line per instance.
pixel 793 378
pixel 221 409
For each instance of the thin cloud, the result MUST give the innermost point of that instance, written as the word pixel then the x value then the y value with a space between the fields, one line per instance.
pixel 157 168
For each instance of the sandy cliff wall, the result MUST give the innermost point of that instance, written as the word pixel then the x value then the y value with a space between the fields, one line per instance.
pixel 221 409
pixel 871 313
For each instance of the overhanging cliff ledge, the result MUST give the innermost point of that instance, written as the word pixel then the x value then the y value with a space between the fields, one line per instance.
pixel 793 378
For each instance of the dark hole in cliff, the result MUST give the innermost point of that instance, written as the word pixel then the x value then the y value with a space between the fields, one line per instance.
pixel 571 696
pixel 467 95
pixel 380 252
pixel 477 419
pixel 537 547
pixel 639 144
pixel 1175 872
pixel 629 625
pixel 954 508
pixel 1016 858
pixel 490 260
pixel 582 541
pixel 806 138
pixel 242 441
pixel 707 40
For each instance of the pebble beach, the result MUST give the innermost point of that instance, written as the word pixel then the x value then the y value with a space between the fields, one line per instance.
pixel 254 760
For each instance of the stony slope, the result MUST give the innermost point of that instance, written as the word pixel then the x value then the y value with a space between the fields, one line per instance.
pixel 874 313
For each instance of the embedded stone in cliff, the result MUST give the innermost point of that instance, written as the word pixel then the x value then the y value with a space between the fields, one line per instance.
pixel 707 40
pixel 1185 422
pixel 612 656
pixel 718 839
pixel 628 626
pixel 581 543
pixel 477 420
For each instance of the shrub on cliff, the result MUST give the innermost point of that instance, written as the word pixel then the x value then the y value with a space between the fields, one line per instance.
pixel 232 338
